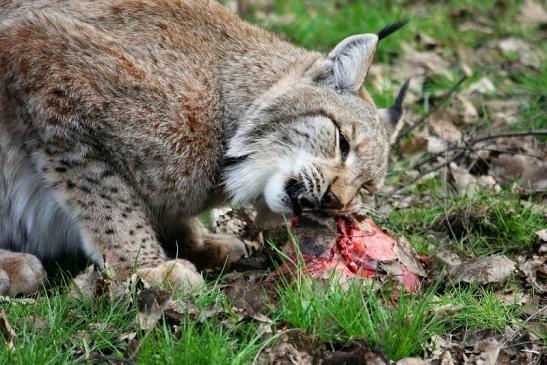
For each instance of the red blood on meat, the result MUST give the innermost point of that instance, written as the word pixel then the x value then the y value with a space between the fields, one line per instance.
pixel 359 250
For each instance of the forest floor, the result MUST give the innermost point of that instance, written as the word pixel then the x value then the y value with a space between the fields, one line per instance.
pixel 467 188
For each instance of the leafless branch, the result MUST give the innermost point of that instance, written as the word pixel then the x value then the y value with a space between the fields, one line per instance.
pixel 536 132
pixel 424 119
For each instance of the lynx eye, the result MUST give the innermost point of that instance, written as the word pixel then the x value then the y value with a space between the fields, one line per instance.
pixel 343 145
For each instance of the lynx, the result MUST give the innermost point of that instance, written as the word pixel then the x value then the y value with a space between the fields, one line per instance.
pixel 121 121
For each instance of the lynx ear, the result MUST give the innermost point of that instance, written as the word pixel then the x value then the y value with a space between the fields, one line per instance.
pixel 348 63
pixel 391 116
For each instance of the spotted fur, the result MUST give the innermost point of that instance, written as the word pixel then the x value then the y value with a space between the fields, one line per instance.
pixel 121 121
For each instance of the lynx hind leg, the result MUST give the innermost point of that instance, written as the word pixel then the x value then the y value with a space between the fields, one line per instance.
pixel 20 273
pixel 211 250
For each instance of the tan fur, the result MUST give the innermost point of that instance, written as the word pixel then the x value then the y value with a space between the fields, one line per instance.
pixel 127 115
pixel 20 273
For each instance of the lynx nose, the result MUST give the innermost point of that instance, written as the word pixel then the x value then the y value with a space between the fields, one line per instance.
pixel 330 201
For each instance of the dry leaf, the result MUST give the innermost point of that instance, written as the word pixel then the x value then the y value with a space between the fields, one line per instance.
pixel 355 355
pixel 535 270
pixel 532 12
pixel 445 310
pixel 435 144
pixel 532 173
pixel 534 178
pixel 85 284
pixel 7 331
pixel 287 354
pixel 128 336
pixel 482 86
pixel 19 301
pixel 487 181
pixel 416 144
pixel 504 112
pixel 486 353
pixel 464 182
pixel 38 324
pixel 248 295
pixel 406 256
pixel 448 258
pixel 446 359
pixel 426 40
pixel 419 63
pixel 474 27
pixel 443 348
pixel 483 270
pixel 151 303
pixel 412 361
pixel 527 56
pixel 441 123
pixel 466 109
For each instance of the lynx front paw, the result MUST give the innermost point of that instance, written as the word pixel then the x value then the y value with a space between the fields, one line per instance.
pixel 20 273
pixel 221 249
pixel 176 274
pixel 5 283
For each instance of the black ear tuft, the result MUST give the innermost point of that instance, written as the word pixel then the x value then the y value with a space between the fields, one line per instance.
pixel 395 112
pixel 387 30
pixel 402 93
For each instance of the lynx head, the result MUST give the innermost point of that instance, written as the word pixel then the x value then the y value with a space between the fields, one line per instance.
pixel 315 140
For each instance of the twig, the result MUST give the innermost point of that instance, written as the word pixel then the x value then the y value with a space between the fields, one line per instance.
pixel 509 152
pixel 469 146
pixel 532 316
pixel 427 172
pixel 536 132
pixel 424 119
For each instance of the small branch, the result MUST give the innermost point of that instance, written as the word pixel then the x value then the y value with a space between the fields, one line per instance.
pixel 508 152
pixel 523 324
pixel 536 132
pixel 424 119
pixel 469 146
pixel 433 169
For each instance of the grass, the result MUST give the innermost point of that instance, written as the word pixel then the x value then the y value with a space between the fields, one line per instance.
pixel 481 308
pixel 57 329
pixel 477 225
pixel 206 343
pixel 398 328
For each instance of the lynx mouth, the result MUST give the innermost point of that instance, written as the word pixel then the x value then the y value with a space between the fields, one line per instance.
pixel 299 204
pixel 293 189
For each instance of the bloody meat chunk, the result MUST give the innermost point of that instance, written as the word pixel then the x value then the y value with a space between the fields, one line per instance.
pixel 355 248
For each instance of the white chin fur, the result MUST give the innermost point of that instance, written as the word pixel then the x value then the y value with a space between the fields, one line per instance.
pixel 275 196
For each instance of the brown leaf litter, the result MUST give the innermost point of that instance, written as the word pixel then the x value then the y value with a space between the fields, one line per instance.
pixel 534 266
pixel 533 13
